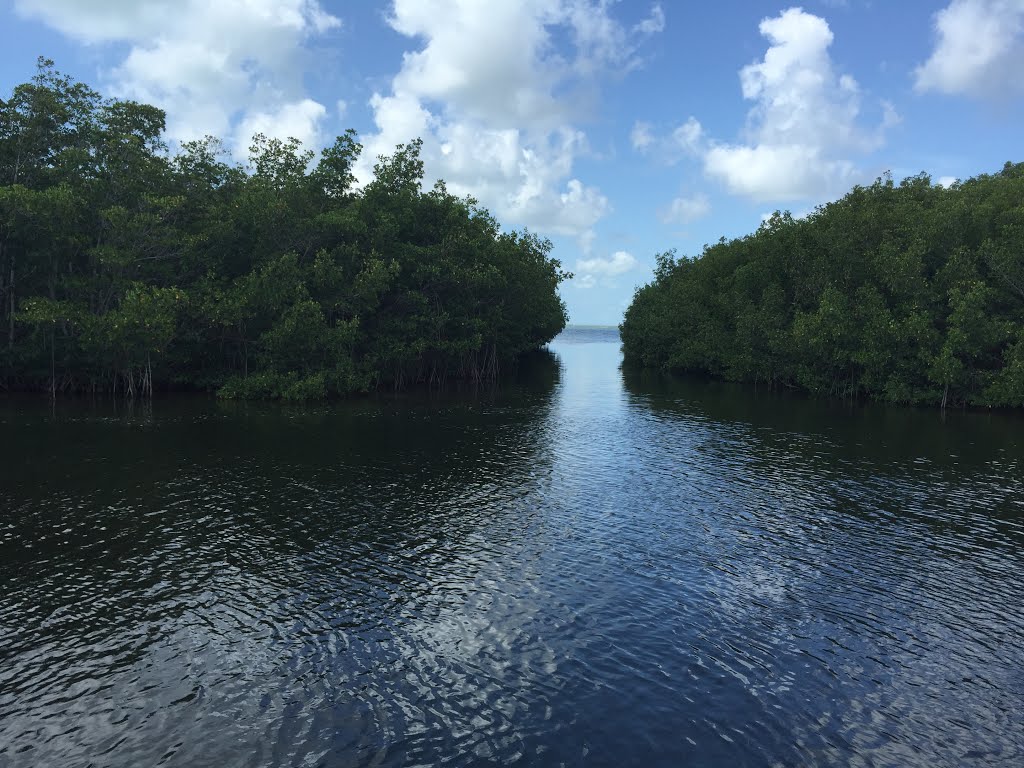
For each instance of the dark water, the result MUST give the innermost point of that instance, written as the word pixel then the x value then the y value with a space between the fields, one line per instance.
pixel 587 568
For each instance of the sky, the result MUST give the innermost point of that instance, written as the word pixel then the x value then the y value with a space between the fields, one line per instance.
pixel 619 130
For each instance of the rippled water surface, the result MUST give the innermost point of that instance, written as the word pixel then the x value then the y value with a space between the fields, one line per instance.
pixel 589 567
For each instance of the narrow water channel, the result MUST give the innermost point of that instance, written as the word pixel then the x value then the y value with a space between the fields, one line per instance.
pixel 589 566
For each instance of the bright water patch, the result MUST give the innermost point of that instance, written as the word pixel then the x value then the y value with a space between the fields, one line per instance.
pixel 590 567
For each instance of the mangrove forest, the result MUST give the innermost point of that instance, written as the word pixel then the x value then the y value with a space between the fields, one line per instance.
pixel 906 293
pixel 126 267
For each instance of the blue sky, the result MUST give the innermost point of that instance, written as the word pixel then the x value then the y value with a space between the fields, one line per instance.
pixel 617 129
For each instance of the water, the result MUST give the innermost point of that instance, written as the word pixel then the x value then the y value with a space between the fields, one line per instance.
pixel 588 567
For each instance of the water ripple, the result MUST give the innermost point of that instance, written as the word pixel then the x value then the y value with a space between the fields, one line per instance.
pixel 589 569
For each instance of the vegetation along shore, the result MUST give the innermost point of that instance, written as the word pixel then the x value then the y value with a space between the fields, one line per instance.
pixel 906 293
pixel 126 268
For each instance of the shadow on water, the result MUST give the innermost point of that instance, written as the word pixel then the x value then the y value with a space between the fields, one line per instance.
pixel 913 462
pixel 880 431
pixel 171 564
pixel 126 461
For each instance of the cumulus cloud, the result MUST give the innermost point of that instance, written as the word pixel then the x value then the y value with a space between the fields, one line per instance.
pixel 495 101
pixel 979 49
pixel 803 128
pixel 214 67
pixel 805 120
pixel 683 210
pixel 777 171
pixel 588 271
pixel 298 119
pixel 618 263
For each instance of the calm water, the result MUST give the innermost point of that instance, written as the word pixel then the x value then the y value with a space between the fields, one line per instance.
pixel 589 567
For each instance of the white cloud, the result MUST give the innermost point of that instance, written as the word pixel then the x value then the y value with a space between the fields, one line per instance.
pixel 641 136
pixel 496 103
pixel 890 117
pixel 946 181
pixel 979 49
pixel 299 119
pixel 686 139
pixel 804 123
pixel 618 263
pixel 689 136
pixel 600 40
pixel 776 171
pixel 213 66
pixel 591 272
pixel 683 210
pixel 653 23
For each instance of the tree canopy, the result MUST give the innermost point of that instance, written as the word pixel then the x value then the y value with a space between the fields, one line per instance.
pixel 907 293
pixel 125 267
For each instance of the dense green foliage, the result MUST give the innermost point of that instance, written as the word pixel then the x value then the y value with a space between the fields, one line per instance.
pixel 125 268
pixel 908 293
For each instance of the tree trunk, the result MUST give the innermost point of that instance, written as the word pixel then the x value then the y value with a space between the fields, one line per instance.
pixel 3 276
pixel 10 308
pixel 53 367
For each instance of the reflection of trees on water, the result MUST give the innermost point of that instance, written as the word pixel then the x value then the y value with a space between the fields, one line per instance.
pixel 878 545
pixel 313 547
pixel 884 436
pixel 958 475
pixel 96 462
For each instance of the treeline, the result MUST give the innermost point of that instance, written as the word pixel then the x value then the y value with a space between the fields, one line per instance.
pixel 125 268
pixel 905 293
